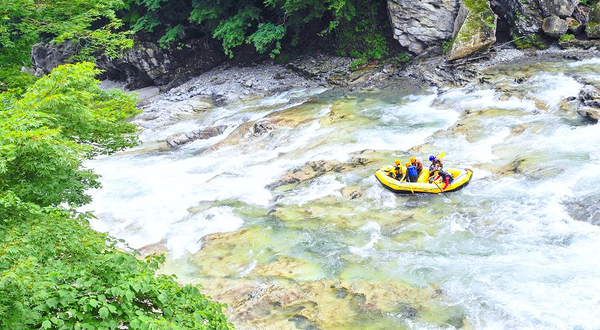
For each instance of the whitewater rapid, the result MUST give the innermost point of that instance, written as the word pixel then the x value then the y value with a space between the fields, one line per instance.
pixel 507 251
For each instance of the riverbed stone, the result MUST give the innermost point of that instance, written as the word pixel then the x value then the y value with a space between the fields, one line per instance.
pixel 314 169
pixel 555 26
pixel 178 140
pixel 418 24
pixel 322 304
pixel 589 96
pixel 351 192
pixel 474 29
pixel 592 114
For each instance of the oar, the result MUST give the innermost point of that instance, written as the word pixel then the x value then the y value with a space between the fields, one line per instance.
pixel 442 190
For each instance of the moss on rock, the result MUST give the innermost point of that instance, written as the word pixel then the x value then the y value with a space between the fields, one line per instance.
pixel 474 29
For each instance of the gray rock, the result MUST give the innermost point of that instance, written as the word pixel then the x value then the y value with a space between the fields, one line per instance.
pixel 592 114
pixel 418 24
pixel 145 64
pixel 474 31
pixel 582 14
pixel 523 16
pixel 592 30
pixel 560 8
pixel 199 134
pixel 574 25
pixel 584 208
pixel 555 26
pixel 589 96
pixel 248 83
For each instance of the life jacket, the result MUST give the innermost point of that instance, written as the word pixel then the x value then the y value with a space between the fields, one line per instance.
pixel 445 175
pixel 419 166
pixel 412 173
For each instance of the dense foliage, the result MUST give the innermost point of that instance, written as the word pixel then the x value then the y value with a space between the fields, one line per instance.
pixel 91 26
pixel 55 271
pixel 265 24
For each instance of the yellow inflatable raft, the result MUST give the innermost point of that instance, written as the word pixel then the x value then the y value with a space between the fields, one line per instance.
pixel 461 180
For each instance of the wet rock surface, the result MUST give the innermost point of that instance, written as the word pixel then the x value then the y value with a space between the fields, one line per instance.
pixel 315 169
pixel 589 98
pixel 199 134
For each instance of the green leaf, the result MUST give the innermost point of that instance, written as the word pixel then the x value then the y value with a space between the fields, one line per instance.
pixel 52 302
pixel 46 324
pixel 103 312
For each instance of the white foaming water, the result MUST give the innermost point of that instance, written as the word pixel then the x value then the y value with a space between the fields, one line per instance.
pixel 506 251
pixel 375 235
pixel 591 61
pixel 552 88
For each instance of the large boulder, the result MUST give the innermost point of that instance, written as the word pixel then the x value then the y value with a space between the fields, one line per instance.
pixel 145 64
pixel 560 8
pixel 418 24
pixel 589 96
pixel 592 30
pixel 555 26
pixel 474 29
pixel 523 16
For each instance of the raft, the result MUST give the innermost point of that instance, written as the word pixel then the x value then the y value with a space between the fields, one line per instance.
pixel 462 177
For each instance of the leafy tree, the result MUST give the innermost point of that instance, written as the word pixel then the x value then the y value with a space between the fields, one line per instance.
pixel 91 26
pixel 55 271
pixel 58 122
pixel 263 24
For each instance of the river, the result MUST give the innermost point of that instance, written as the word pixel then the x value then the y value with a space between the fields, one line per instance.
pixel 516 249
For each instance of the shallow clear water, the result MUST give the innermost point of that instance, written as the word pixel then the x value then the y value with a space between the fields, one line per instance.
pixel 505 252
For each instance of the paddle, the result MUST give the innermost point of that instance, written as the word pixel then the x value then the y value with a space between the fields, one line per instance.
pixel 442 190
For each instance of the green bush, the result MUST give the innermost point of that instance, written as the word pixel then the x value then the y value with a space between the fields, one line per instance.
pixel 55 271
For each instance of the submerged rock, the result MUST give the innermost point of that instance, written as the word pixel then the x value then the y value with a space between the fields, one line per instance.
pixel 418 24
pixel 351 192
pixel 314 169
pixel 322 304
pixel 554 26
pixel 199 134
pixel 474 29
pixel 585 209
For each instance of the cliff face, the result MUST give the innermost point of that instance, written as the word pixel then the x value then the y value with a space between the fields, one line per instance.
pixel 145 64
pixel 462 27
pixel 418 25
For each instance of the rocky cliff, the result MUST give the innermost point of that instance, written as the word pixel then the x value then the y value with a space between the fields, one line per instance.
pixel 470 26
pixel 459 27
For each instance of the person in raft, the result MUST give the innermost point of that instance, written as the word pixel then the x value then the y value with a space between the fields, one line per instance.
pixel 436 163
pixel 411 172
pixel 397 173
pixel 417 163
pixel 446 177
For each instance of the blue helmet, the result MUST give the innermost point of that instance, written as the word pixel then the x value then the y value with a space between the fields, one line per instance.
pixel 431 158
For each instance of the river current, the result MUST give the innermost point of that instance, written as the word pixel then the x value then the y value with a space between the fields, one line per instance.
pixel 516 249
